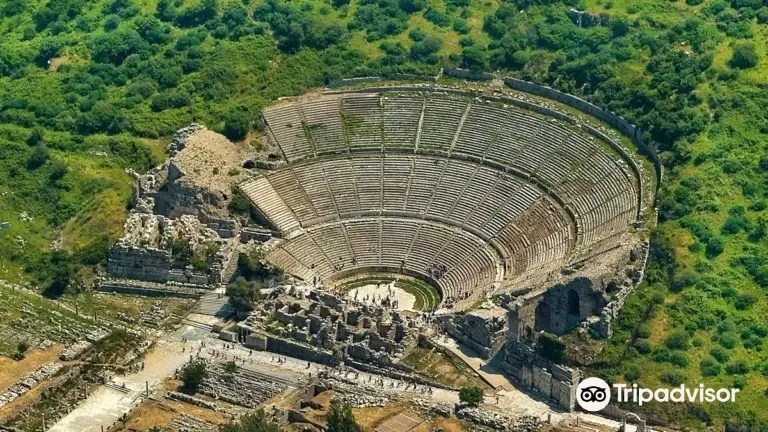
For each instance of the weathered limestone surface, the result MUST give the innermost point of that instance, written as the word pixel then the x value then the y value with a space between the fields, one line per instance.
pixel 320 326
pixel 557 383
pixel 484 330
pixel 186 198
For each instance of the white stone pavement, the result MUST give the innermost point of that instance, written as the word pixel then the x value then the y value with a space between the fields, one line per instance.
pixel 106 405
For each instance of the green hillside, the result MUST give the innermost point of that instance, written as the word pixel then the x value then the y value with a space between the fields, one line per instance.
pixel 90 88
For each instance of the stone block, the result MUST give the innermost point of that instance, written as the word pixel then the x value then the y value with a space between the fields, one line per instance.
pixel 564 373
pixel 564 394
pixel 527 376
pixel 256 341
pixel 542 381
pixel 228 336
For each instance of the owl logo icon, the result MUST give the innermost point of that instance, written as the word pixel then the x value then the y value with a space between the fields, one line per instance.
pixel 593 394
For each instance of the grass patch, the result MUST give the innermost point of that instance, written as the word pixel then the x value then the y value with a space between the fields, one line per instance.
pixel 427 297
pixel 442 368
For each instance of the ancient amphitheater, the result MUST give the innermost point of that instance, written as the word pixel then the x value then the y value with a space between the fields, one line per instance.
pixel 474 193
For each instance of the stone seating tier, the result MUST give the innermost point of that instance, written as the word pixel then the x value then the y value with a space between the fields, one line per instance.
pixel 481 192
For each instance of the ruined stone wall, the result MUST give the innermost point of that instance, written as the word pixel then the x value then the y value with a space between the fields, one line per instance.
pixel 139 263
pixel 260 235
pixel 559 309
pixel 554 382
pixel 484 331
pixel 181 198
pixel 603 328
pixel 304 352
pixel 468 74
pixel 188 277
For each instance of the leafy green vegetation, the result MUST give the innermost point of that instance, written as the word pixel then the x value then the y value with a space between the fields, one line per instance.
pixel 88 89
pixel 242 294
pixel 471 395
pixel 192 375
pixel 252 422
pixel 340 418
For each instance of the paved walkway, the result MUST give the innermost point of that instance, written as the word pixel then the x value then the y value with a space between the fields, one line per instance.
pixel 510 398
pixel 106 405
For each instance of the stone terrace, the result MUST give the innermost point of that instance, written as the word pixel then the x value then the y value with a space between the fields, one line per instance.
pixel 473 192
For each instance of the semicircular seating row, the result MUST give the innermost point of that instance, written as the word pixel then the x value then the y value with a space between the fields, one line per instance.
pixel 350 171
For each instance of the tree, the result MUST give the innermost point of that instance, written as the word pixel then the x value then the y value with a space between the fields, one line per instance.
pixel 678 340
pixel 236 125
pixel 471 395
pixel 242 294
pixel 193 374
pixel 252 422
pixel 744 56
pixel 474 58
pixel 715 246
pixel 340 419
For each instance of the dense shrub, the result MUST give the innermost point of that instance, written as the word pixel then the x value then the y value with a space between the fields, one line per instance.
pixel 643 346
pixel 551 348
pixel 237 124
pixel 715 246
pixel 744 56
pixel 678 340
pixel 710 367
pixel 170 99
pixel 673 377
pixel 632 373
pixel 678 359
pixel 738 367
pixel 728 340
pixel 114 47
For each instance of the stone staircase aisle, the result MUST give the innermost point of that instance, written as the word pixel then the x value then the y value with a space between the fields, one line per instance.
pixel 213 304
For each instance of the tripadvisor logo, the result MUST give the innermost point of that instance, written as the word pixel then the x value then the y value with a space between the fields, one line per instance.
pixel 594 394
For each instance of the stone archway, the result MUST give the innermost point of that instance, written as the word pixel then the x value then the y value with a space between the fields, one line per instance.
pixel 543 317
pixel 573 303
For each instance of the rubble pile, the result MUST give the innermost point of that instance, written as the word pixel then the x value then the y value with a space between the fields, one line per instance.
pixel 484 418
pixel 74 350
pixel 362 400
pixel 318 318
pixel 153 316
pixel 190 423
pixel 237 387
pixel 183 397
pixel 28 382
pixel 122 316
pixel 499 421
pixel 526 424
